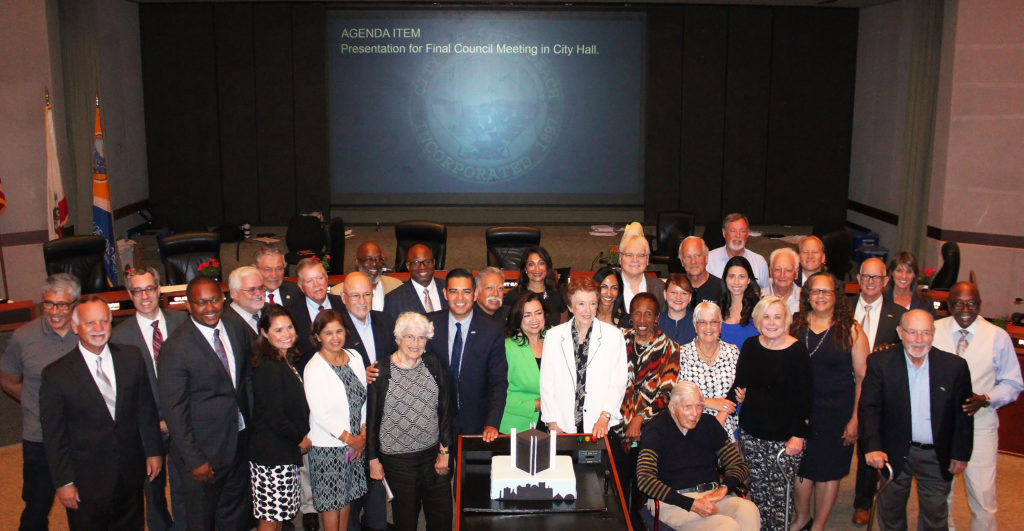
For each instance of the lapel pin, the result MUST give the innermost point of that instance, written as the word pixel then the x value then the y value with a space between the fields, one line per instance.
pixel 943 389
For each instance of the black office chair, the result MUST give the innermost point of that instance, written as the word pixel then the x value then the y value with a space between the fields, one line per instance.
pixel 432 234
pixel 505 245
pixel 713 235
pixel 950 270
pixel 305 237
pixel 184 253
pixel 673 227
pixel 336 248
pixel 839 252
pixel 81 256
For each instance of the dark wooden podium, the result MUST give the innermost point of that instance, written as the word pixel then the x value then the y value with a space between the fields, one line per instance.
pixel 599 503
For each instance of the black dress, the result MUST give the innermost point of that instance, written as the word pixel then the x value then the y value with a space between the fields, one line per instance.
pixel 825 457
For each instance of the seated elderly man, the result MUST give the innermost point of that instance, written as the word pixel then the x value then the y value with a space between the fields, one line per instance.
pixel 680 455
pixel 783 270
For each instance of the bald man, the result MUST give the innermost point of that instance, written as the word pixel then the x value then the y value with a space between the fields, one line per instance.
pixel 879 319
pixel 370 262
pixel 996 381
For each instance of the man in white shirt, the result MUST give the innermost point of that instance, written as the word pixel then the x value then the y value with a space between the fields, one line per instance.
pixel 736 230
pixel 879 319
pixel 147 331
pixel 996 382
pixel 784 261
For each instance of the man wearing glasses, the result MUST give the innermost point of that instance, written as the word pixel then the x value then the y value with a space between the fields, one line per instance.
pixel 32 347
pixel 270 263
pixel 370 262
pixel 879 319
pixel 996 382
pixel 422 293
pixel 202 368
pixel 147 332
pixel 247 296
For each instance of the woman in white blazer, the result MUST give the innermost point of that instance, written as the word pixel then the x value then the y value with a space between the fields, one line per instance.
pixel 569 403
pixel 335 383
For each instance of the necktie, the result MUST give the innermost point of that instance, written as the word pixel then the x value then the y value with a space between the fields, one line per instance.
pixel 256 317
pixel 218 347
pixel 158 339
pixel 106 387
pixel 427 304
pixel 865 321
pixel 271 297
pixel 961 345
pixel 320 308
pixel 457 359
pixel 222 355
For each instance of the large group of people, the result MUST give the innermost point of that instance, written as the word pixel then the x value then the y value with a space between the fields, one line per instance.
pixel 732 394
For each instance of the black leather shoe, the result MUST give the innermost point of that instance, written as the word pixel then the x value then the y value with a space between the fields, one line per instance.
pixel 311 522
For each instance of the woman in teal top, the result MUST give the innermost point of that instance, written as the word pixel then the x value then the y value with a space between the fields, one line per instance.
pixel 524 340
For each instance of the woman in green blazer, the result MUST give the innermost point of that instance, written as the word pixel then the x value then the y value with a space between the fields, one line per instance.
pixel 524 340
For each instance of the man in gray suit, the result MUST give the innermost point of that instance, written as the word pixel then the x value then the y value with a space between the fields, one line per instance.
pixel 203 369
pixel 147 331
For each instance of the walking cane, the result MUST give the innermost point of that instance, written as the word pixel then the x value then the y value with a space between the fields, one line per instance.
pixel 789 484
pixel 874 501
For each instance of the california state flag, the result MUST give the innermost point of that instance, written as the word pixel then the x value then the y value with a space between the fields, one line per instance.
pixel 56 204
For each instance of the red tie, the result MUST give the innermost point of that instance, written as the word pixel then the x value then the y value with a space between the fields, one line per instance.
pixel 158 339
pixel 271 297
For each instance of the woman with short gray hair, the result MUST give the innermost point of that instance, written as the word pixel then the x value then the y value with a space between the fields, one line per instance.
pixel 710 364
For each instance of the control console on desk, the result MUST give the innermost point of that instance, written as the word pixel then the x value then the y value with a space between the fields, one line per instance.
pixel 598 504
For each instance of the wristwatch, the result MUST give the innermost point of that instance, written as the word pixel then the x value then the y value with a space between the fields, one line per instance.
pixel 606 415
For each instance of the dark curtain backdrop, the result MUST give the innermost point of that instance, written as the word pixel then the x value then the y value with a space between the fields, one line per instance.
pixel 748 109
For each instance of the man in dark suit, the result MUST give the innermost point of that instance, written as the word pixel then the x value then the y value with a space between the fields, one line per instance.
pixel 490 291
pixel 372 334
pixel 812 258
pixel 146 331
pixel 270 263
pixel 203 368
pixel 911 416
pixel 422 293
pixel 472 348
pixel 879 318
pixel 100 427
pixel 304 309
pixel 245 285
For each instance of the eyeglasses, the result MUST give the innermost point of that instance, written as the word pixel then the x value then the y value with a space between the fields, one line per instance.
pixel 206 302
pixel 254 290
pixel 973 305
pixel 420 263
pixel 821 292
pixel 415 339
pixel 62 306
pixel 635 256
pixel 369 260
pixel 870 278
pixel 149 290
pixel 703 323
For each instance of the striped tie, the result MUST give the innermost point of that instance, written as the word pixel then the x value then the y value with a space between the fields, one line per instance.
pixel 218 347
pixel 961 345
pixel 158 339
pixel 106 387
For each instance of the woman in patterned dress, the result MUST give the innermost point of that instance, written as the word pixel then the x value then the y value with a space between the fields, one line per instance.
pixel 409 428
pixel 710 363
pixel 335 382
pixel 652 366
pixel 279 424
